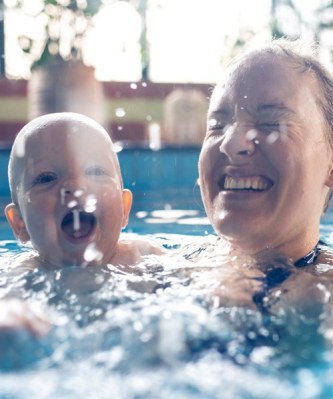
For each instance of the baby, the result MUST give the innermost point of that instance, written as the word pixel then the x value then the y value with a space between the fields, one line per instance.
pixel 68 200
pixel 68 197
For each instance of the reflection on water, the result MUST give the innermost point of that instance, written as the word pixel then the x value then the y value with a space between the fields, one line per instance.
pixel 161 332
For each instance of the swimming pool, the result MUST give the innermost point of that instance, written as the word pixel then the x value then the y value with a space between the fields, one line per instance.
pixel 166 198
pixel 154 335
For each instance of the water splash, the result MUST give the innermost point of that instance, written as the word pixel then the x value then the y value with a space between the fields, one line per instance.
pixel 91 253
pixel 76 220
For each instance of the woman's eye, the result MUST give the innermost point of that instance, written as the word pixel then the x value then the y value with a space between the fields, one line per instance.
pixel 268 126
pixel 44 178
pixel 96 171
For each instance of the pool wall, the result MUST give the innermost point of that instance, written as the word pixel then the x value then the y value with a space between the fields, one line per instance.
pixel 142 102
pixel 166 177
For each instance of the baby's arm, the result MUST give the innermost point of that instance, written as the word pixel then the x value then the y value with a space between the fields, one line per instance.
pixel 132 249
pixel 17 315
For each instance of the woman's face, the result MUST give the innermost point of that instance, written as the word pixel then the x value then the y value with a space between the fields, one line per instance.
pixel 265 166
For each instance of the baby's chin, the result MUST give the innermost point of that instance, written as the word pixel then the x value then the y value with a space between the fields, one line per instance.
pixel 84 259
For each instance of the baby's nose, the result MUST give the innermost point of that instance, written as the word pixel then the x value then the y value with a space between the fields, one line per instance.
pixel 71 190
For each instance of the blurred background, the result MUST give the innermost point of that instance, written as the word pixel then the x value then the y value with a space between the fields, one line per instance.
pixel 145 70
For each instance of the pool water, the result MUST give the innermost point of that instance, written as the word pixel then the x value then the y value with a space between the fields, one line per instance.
pixel 157 333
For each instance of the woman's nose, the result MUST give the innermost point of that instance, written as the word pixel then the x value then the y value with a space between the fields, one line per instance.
pixel 239 141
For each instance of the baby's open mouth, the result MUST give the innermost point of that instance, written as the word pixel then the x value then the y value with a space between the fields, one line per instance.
pixel 249 183
pixel 78 224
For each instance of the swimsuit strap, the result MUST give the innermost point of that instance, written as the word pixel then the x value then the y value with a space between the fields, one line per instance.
pixel 278 275
pixel 310 257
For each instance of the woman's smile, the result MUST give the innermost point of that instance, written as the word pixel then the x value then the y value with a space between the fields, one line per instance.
pixel 247 183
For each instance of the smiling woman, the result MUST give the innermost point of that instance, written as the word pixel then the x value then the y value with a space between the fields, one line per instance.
pixel 266 165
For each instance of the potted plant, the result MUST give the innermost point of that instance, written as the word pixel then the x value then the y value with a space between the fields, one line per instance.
pixel 60 79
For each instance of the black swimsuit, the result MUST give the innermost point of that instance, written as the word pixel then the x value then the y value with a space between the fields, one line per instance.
pixel 278 275
pixel 275 276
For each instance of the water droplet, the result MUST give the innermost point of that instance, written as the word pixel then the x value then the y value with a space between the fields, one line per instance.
pixel 27 196
pixel 20 148
pixel 90 203
pixel 212 122
pixel 92 253
pixel 154 132
pixel 272 137
pixel 133 86
pixel 141 214
pixel 76 220
pixel 72 204
pixel 77 193
pixel 144 84
pixel 251 134
pixel 120 128
pixel 62 195
pixel 138 326
pixel 120 112
pixel 117 147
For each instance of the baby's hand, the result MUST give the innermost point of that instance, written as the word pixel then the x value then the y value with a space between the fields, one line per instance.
pixel 18 315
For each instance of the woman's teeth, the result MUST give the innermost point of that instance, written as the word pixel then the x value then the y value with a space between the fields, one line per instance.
pixel 246 183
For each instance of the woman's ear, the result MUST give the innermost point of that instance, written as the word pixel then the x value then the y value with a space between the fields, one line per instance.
pixel 16 222
pixel 127 204
pixel 329 180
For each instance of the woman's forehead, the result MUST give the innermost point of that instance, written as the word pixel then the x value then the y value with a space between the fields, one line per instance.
pixel 264 78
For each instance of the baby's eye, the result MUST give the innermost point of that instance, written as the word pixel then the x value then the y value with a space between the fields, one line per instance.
pixel 96 171
pixel 44 178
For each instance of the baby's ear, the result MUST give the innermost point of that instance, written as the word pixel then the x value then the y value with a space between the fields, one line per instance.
pixel 127 204
pixel 16 222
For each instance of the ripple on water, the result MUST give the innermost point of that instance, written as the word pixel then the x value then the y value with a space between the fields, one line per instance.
pixel 158 333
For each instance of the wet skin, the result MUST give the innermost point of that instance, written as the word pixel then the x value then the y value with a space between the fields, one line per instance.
pixel 266 166
pixel 70 195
